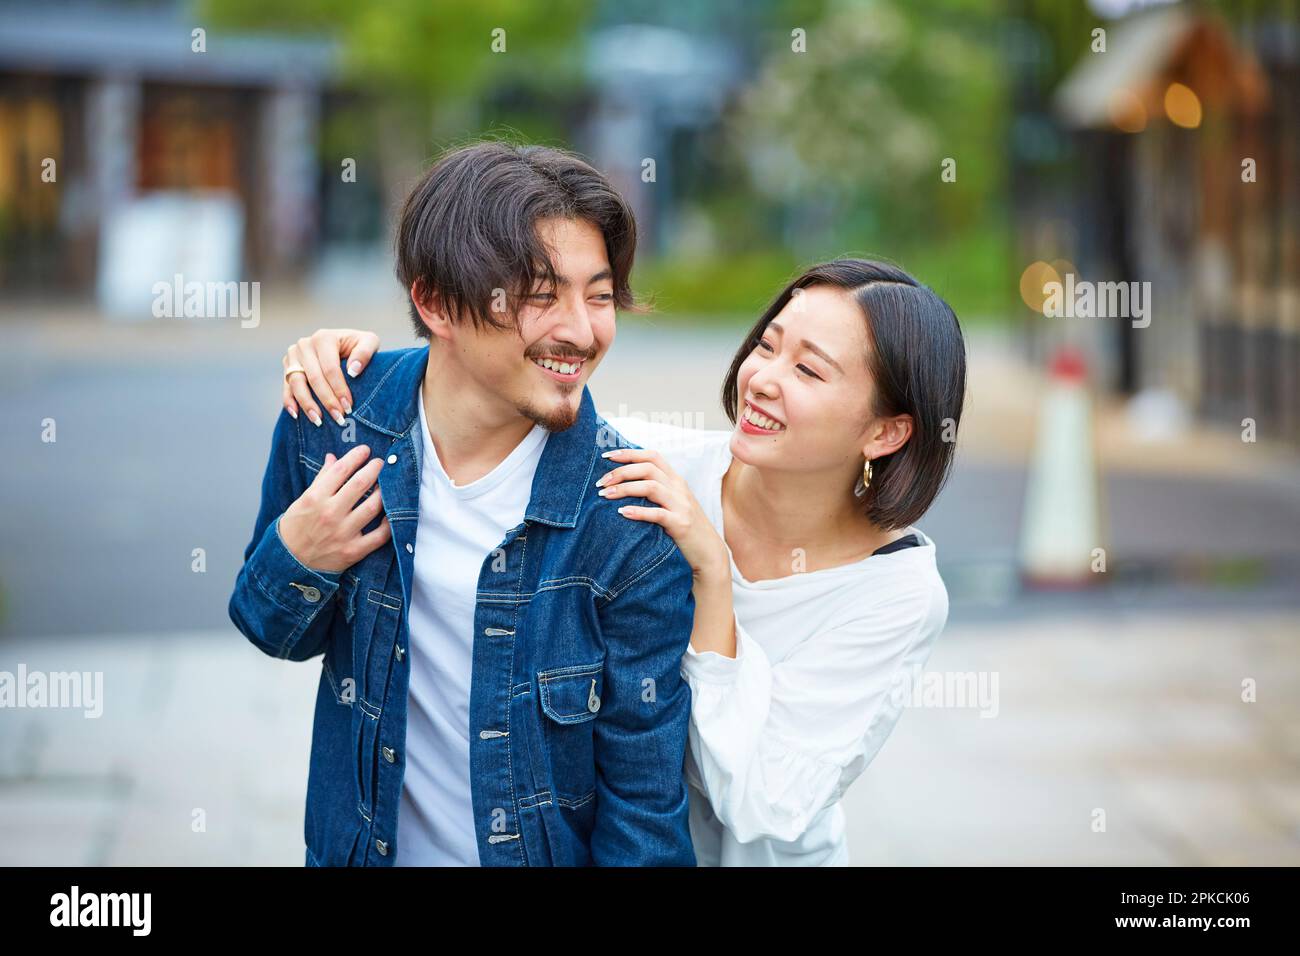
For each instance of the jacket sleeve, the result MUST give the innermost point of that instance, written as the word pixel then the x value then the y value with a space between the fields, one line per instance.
pixel 641 731
pixel 281 606
pixel 776 743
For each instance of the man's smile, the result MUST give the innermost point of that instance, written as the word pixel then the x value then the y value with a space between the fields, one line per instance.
pixel 569 370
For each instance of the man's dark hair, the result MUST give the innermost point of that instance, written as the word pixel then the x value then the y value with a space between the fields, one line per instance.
pixel 468 230
pixel 917 359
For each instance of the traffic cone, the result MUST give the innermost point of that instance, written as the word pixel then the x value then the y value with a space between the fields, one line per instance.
pixel 1060 531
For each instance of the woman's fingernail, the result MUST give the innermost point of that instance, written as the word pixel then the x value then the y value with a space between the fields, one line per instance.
pixel 623 510
pixel 293 412
pixel 315 419
pixel 338 417
pixel 347 407
pixel 604 492
pixel 354 369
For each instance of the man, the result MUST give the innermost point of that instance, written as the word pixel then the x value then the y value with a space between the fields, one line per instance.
pixel 500 683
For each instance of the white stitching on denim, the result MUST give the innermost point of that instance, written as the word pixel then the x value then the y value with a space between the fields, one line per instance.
pixel 356 413
pixel 617 591
pixel 510 603
pixel 296 612
pixel 392 607
pixel 585 485
pixel 574 804
pixel 573 670
pixel 544 680
pixel 347 595
pixel 555 584
pixel 510 760
pixel 502 597
pixel 329 673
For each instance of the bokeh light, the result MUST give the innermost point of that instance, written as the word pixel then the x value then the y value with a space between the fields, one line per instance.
pixel 1182 106
pixel 1032 280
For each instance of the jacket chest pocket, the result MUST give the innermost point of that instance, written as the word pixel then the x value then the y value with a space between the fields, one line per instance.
pixel 570 699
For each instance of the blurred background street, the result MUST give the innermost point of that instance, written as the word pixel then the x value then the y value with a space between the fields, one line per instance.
pixel 1120 693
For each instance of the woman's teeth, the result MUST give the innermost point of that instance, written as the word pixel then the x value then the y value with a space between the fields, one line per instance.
pixel 564 368
pixel 762 421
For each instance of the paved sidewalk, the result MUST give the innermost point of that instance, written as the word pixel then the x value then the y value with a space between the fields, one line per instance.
pixel 1138 715
pixel 191 722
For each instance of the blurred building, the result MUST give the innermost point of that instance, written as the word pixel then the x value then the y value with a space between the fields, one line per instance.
pixel 662 75
pixel 1188 139
pixel 129 103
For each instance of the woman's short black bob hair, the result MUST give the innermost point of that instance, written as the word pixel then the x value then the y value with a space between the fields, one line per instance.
pixel 468 230
pixel 917 359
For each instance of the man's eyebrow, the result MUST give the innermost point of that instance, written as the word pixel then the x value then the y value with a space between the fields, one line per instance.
pixel 602 274
pixel 810 347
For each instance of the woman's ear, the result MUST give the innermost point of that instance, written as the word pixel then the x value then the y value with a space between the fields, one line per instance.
pixel 888 435
pixel 429 305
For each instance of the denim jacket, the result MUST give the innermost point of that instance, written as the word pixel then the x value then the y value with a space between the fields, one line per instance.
pixel 578 710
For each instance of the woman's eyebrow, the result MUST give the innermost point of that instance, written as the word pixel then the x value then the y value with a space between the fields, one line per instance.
pixel 811 348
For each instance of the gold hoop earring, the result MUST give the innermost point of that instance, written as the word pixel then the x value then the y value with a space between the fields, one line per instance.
pixel 864 482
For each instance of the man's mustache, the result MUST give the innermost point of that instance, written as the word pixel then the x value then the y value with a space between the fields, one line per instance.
pixel 563 356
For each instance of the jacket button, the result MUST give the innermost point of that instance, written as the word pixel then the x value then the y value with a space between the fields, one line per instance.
pixel 593 702
pixel 398 652
pixel 382 847
pixel 390 755
pixel 309 594
pixel 392 459
pixel 410 548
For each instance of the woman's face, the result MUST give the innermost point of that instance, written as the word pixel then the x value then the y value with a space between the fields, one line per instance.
pixel 804 392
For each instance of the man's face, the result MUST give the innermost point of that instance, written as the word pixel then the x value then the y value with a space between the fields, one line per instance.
pixel 564 332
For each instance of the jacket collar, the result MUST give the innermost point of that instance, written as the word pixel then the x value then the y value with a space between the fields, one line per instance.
pixel 564 473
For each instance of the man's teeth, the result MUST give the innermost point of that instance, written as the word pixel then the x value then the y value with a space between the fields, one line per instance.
pixel 761 420
pixel 564 368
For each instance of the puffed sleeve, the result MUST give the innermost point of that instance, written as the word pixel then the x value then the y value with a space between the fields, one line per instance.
pixel 775 743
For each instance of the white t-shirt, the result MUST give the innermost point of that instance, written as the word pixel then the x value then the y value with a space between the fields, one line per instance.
pixel 824 661
pixel 459 527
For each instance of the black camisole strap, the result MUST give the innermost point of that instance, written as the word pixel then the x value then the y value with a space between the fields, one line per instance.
pixel 906 541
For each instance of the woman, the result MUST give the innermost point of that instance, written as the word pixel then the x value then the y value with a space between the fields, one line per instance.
pixel 816 599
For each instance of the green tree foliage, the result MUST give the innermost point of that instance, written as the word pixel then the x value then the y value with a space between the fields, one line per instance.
pixel 432 50
pixel 860 123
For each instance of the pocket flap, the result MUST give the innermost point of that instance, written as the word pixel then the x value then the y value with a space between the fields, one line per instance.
pixel 571 695
pixel 347 595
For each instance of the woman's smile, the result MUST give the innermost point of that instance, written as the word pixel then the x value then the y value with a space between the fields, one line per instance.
pixel 754 422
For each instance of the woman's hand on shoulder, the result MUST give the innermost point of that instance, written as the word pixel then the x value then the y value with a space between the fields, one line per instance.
pixel 643 473
pixel 317 357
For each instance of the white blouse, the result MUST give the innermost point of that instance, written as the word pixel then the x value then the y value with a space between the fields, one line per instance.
pixel 823 661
